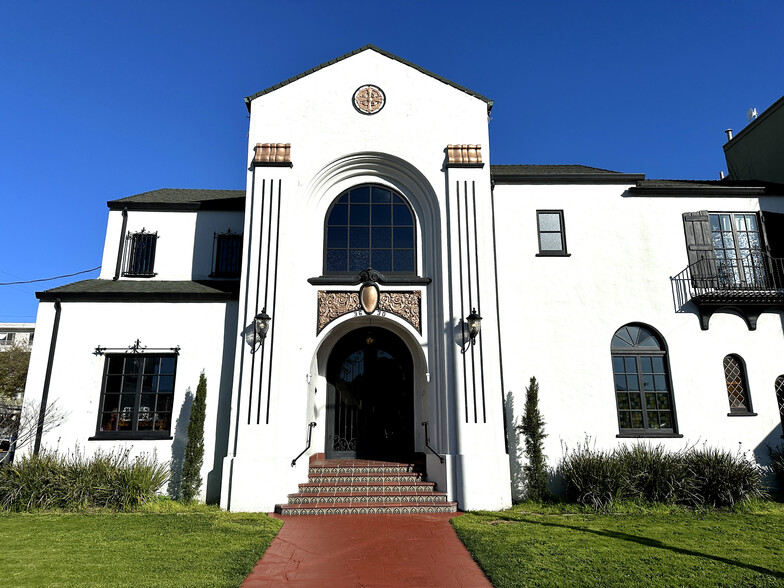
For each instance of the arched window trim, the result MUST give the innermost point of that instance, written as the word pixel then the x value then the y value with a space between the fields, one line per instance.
pixel 404 275
pixel 638 352
pixel 740 409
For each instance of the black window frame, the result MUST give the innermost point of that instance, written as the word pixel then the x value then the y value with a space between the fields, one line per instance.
pixel 779 389
pixel 139 259
pixel 401 200
pixel 744 407
pixel 135 433
pixel 563 252
pixel 226 255
pixel 638 353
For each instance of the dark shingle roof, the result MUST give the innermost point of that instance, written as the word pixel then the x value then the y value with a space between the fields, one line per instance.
pixel 143 291
pixel 566 174
pixel 182 199
pixel 249 99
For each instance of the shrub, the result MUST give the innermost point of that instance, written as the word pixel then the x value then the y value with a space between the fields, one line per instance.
pixel 777 464
pixel 73 482
pixel 593 477
pixel 532 428
pixel 693 477
pixel 722 478
pixel 194 448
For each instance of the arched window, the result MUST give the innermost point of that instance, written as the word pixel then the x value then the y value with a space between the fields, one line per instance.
pixel 780 397
pixel 643 392
pixel 370 226
pixel 737 385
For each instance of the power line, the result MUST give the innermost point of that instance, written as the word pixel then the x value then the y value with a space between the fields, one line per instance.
pixel 50 279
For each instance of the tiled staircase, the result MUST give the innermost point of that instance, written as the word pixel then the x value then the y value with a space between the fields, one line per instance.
pixel 360 486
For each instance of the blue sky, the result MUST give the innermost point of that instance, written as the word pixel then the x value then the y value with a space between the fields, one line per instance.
pixel 101 100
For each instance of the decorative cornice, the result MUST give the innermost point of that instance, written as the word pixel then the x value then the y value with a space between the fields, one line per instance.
pixel 272 154
pixel 464 154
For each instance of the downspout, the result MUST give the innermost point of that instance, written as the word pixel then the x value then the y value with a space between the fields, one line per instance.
pixel 47 380
pixel 120 248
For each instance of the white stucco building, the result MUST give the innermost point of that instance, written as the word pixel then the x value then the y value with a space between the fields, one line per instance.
pixel 371 227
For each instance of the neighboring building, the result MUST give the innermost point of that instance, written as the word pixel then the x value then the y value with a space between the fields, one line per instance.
pixel 755 153
pixel 16 334
pixel 647 309
pixel 11 335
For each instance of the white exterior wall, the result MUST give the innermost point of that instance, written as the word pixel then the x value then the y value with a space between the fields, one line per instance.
pixel 334 148
pixel 77 373
pixel 560 313
pixel 184 247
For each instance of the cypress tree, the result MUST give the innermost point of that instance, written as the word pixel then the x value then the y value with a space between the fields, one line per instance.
pixel 194 448
pixel 532 427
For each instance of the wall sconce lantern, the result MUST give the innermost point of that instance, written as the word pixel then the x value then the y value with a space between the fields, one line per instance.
pixel 474 323
pixel 261 324
pixel 256 332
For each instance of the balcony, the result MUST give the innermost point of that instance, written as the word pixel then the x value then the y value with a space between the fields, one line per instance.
pixel 747 287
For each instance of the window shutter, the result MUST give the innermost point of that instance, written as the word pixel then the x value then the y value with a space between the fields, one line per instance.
pixel 699 248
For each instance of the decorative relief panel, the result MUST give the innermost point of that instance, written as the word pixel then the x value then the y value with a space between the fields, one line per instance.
pixel 406 305
pixel 369 99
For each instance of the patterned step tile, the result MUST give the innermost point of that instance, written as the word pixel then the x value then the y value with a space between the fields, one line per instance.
pixel 342 497
pixel 387 508
pixel 364 488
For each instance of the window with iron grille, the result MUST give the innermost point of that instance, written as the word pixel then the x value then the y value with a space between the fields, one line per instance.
pixel 140 254
pixel 370 226
pixel 643 392
pixel 137 396
pixel 226 255
pixel 737 385
pixel 7 339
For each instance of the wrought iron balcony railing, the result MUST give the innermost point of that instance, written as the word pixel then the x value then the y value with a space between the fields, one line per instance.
pixel 749 285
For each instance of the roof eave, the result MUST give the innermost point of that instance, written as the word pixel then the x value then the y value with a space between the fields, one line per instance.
pixel 568 178
pixel 249 99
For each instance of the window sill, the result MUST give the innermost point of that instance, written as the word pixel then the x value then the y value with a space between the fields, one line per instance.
pixel 741 414
pixel 555 254
pixel 649 436
pixel 132 436
pixel 353 280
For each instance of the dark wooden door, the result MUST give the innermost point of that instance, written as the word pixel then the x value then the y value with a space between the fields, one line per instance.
pixel 370 405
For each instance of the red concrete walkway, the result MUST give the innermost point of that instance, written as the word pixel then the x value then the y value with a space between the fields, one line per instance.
pixel 381 550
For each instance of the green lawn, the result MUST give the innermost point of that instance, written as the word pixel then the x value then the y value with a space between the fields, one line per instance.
pixel 203 548
pixel 532 545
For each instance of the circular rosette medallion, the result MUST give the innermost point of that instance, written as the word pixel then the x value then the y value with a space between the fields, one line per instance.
pixel 369 99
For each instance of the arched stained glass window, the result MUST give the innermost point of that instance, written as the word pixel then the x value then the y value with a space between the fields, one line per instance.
pixel 737 385
pixel 370 226
pixel 641 372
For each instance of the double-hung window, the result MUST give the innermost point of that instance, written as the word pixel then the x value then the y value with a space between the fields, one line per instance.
pixel 552 235
pixel 137 396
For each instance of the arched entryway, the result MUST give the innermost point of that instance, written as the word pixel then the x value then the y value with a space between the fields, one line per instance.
pixel 370 404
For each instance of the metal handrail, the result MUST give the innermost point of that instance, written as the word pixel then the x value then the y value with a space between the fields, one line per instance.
pixel 427 442
pixel 755 273
pixel 310 431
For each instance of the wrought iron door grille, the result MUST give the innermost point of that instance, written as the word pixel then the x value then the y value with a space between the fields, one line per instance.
pixel 140 254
